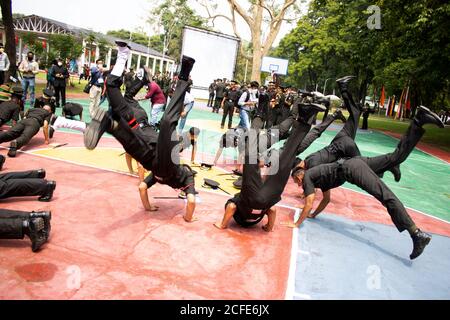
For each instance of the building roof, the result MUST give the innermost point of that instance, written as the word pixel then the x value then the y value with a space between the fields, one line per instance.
pixel 34 23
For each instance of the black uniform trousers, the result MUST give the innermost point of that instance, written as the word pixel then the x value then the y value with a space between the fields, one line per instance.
pixel 406 145
pixel 60 94
pixel 262 195
pixel 315 134
pixel 22 132
pixel 21 184
pixel 211 99
pixel 217 104
pixel 162 157
pixel 228 111
pixel 11 223
pixel 343 145
pixel 359 173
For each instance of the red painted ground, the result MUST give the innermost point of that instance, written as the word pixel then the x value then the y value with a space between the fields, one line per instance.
pixel 123 252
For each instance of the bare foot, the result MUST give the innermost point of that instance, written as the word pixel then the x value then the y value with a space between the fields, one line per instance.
pixel 218 225
pixel 152 208
pixel 289 225
pixel 193 219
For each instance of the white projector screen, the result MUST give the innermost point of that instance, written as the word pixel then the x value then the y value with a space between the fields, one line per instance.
pixel 215 57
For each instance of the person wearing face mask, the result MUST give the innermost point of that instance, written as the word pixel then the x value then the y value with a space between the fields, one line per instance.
pixel 29 69
pixel 60 75
pixel 97 82
pixel 4 63
pixel 248 102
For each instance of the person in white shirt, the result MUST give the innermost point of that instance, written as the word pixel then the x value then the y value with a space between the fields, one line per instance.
pixel 29 69
pixel 4 63
pixel 247 103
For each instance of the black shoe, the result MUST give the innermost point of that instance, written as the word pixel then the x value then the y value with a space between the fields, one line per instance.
pixel 187 63
pixel 47 216
pixel 426 116
pixel 51 186
pixel 41 173
pixel 237 173
pixel 100 123
pixel 238 183
pixel 307 112
pixel 37 233
pixel 343 83
pixel 2 161
pixel 397 173
pixel 12 149
pixel 420 241
pixel 338 115
pixel 123 44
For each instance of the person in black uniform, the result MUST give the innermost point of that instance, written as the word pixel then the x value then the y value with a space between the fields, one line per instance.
pixel 157 156
pixel 230 101
pixel 257 194
pixel 17 224
pixel 212 94
pixel 10 110
pixel 60 74
pixel 364 172
pixel 26 184
pixel 71 110
pixel 47 99
pixel 220 92
pixel 24 130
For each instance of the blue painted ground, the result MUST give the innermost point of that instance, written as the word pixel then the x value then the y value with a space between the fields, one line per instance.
pixel 342 259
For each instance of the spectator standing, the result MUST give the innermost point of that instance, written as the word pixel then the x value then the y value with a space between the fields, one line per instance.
pixel 60 74
pixel 4 64
pixel 29 69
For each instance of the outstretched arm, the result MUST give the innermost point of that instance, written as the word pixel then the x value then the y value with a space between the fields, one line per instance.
pixel 218 154
pixel 46 135
pixel 323 204
pixel 189 217
pixel 144 198
pixel 306 210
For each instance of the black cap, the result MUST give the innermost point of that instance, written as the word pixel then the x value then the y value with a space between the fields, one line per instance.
pixel 49 93
pixel 17 91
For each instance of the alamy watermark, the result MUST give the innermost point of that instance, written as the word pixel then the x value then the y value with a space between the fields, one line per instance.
pixel 374 21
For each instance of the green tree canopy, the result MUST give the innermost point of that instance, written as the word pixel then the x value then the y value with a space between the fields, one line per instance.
pixel 412 46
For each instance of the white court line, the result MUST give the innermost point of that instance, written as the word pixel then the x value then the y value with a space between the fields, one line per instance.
pixel 302 296
pixel 290 290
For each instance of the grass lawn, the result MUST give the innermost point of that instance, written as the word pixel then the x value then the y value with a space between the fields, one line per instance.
pixel 434 136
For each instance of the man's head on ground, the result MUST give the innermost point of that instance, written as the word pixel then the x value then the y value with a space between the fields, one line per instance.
pixel 47 108
pixel 17 94
pixel 47 94
pixel 194 133
pixel 298 171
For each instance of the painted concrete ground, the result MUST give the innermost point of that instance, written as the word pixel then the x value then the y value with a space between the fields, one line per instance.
pixel 104 246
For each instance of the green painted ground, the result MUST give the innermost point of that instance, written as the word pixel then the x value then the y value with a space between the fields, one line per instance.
pixel 425 179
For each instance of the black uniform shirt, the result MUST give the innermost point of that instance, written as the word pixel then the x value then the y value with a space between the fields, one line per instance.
pixel 232 95
pixel 39 114
pixel 220 91
pixel 324 177
pixel 9 111
pixel 183 179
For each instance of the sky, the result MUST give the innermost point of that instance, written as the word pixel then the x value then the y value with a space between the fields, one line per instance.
pixel 103 15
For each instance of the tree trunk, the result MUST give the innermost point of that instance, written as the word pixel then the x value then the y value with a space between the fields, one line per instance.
pixel 256 65
pixel 10 46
